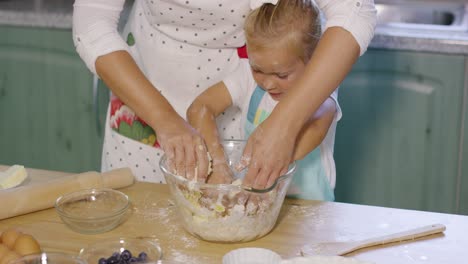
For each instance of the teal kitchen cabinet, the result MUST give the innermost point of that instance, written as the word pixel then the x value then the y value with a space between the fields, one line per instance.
pixel 397 144
pixel 462 191
pixel 49 117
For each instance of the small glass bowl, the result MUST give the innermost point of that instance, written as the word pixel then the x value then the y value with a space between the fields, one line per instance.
pixel 92 211
pixel 49 258
pixel 109 247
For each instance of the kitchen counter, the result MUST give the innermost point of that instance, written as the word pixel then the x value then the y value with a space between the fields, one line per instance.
pixel 58 14
pixel 300 222
pixel 446 42
pixel 37 13
pixel 43 13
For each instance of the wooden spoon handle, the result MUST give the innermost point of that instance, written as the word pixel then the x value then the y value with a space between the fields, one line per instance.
pixel 402 236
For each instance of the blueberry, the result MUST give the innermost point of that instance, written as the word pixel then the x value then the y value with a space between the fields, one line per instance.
pixel 113 260
pixel 126 254
pixel 102 261
pixel 117 256
pixel 143 256
pixel 133 260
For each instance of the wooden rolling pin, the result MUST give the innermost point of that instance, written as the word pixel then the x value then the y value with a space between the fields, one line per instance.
pixel 39 196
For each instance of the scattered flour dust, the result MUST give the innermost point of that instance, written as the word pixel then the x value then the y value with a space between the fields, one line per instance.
pixel 318 215
pixel 164 212
pixel 295 211
pixel 180 257
pixel 178 245
pixel 151 211
pixel 315 212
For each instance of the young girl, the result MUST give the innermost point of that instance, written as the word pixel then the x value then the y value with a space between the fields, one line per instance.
pixel 280 41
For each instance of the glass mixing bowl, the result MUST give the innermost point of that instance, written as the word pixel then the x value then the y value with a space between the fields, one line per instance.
pixel 227 212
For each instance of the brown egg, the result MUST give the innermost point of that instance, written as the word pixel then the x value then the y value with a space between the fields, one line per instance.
pixel 26 244
pixel 11 255
pixel 9 237
pixel 3 251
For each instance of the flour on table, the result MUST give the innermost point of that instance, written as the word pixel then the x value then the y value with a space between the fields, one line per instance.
pixel 164 212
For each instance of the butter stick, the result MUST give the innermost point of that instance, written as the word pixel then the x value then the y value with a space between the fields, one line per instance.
pixel 39 196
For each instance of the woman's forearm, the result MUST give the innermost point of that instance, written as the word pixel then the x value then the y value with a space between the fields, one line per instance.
pixel 122 75
pixel 333 58
pixel 315 130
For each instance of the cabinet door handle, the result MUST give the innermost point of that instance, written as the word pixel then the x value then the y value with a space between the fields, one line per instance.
pixel 96 103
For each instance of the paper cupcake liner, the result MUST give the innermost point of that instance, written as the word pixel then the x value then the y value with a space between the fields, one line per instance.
pixel 251 256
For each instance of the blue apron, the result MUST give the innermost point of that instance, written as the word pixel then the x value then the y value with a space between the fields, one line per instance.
pixel 310 178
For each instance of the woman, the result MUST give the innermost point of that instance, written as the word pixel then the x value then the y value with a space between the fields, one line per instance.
pixel 172 50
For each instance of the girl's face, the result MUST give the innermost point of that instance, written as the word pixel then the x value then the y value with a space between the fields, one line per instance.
pixel 275 69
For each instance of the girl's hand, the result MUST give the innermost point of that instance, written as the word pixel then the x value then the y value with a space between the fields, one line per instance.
pixel 185 150
pixel 221 174
pixel 267 155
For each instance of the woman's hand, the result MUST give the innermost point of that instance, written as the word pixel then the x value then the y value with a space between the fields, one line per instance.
pixel 267 155
pixel 185 149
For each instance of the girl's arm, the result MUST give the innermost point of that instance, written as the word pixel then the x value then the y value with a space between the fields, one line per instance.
pixel 202 115
pixel 103 50
pixel 350 28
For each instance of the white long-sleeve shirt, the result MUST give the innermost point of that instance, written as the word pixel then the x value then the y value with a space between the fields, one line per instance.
pixel 95 23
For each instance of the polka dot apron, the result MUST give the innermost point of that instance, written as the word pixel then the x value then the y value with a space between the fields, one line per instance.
pixel 182 48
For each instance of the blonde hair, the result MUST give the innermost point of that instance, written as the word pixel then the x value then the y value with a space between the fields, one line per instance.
pixel 295 23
